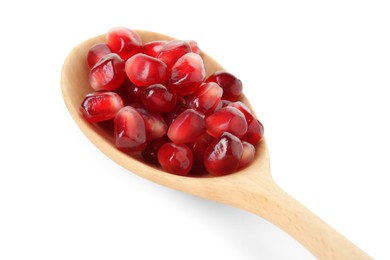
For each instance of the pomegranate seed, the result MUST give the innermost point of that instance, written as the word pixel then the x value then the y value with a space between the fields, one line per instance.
pixel 108 73
pixel 223 155
pixel 155 125
pixel 151 150
pixel 97 52
pixel 130 133
pixel 124 42
pixel 255 132
pixel 198 148
pixel 232 86
pixel 248 154
pixel 187 127
pixel 194 46
pixel 172 51
pixel 206 98
pixel 244 109
pixel 187 74
pixel 101 106
pixel 227 119
pixel 176 111
pixel 158 98
pixel 153 48
pixel 144 70
pixel 175 158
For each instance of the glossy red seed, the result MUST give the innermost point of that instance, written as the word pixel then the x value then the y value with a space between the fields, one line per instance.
pixel 144 70
pixel 151 150
pixel 248 154
pixel 153 48
pixel 175 158
pixel 227 119
pixel 155 125
pixel 206 98
pixel 255 132
pixel 158 98
pixel 97 52
pixel 187 127
pixel 172 51
pixel 244 109
pixel 187 74
pixel 108 73
pixel 223 155
pixel 232 86
pixel 100 106
pixel 130 133
pixel 198 147
pixel 194 46
pixel 125 42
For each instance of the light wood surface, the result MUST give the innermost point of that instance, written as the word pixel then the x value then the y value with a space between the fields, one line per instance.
pixel 251 189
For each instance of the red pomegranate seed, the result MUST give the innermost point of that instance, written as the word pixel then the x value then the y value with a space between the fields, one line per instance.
pixel 144 70
pixel 187 127
pixel 153 48
pixel 97 52
pixel 108 73
pixel 248 154
pixel 187 74
pixel 155 125
pixel 151 150
pixel 172 51
pixel 206 98
pixel 223 155
pixel 130 133
pixel 227 119
pixel 158 98
pixel 198 148
pixel 101 106
pixel 124 42
pixel 255 132
pixel 175 158
pixel 194 46
pixel 244 109
pixel 232 86
pixel 176 111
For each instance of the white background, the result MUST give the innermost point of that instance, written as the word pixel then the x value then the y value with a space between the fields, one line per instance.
pixel 318 75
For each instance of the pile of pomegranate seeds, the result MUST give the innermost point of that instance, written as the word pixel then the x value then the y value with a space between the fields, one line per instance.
pixel 159 102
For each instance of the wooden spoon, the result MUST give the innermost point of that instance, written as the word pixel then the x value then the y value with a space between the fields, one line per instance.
pixel 251 189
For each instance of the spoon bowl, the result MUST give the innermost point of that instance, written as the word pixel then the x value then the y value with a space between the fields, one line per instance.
pixel 251 189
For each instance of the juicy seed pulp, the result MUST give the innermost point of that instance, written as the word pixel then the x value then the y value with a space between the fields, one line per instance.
pixel 130 132
pixel 144 70
pixel 223 155
pixel 187 127
pixel 175 158
pixel 101 106
pixel 187 74
pixel 108 73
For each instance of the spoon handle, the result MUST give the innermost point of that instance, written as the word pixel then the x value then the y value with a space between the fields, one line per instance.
pixel 278 207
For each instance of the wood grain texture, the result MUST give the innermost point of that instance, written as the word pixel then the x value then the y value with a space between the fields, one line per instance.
pixel 251 189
